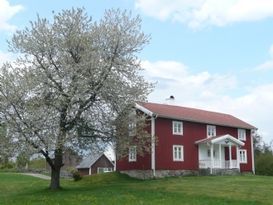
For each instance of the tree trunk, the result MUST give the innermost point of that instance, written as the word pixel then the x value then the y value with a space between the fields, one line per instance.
pixel 55 179
pixel 56 170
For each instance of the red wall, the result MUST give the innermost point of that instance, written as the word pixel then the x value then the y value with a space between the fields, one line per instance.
pixel 247 146
pixel 164 148
pixel 220 130
pixel 142 163
pixel 191 133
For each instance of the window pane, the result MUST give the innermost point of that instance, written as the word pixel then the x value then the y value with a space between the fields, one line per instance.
pixel 132 153
pixel 178 153
pixel 211 130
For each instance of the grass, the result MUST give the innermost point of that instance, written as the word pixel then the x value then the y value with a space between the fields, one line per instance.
pixel 113 188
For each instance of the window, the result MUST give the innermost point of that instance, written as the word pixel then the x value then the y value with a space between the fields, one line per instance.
pixel 178 154
pixel 132 128
pixel 132 154
pixel 104 169
pixel 242 134
pixel 177 128
pixel 132 123
pixel 243 156
pixel 209 153
pixel 211 130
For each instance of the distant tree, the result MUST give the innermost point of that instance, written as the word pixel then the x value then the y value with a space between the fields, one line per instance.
pixel 74 76
pixel 258 144
pixel 263 156
pixel 264 164
pixel 23 160
pixel 7 147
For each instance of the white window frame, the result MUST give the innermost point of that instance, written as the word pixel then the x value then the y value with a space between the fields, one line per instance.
pixel 243 156
pixel 132 128
pixel 242 134
pixel 209 154
pixel 132 157
pixel 132 123
pixel 104 169
pixel 211 130
pixel 177 127
pixel 176 157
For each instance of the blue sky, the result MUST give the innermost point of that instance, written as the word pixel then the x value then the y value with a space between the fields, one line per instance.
pixel 210 54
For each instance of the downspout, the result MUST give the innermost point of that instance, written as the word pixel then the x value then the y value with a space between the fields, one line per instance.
pixel 153 144
pixel 252 151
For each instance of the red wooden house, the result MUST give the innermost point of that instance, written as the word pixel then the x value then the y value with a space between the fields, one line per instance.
pixel 191 141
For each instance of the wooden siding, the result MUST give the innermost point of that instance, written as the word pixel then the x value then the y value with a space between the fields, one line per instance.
pixel 142 163
pixel 83 171
pixel 101 162
pixel 192 132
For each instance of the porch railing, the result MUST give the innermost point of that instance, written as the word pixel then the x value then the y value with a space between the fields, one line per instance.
pixel 224 164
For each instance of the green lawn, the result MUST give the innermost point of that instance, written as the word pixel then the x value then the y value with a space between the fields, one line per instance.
pixel 118 189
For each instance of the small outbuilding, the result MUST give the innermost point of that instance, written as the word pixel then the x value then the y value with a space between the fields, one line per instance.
pixel 95 164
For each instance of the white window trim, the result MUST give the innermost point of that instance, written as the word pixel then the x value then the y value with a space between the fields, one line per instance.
pixel 132 123
pixel 211 126
pixel 173 127
pixel 182 153
pixel 244 135
pixel 132 128
pixel 245 151
pixel 104 169
pixel 132 157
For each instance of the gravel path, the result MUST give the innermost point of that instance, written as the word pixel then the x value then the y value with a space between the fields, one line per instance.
pixel 41 176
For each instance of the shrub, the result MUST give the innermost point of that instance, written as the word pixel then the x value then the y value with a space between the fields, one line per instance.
pixel 8 165
pixel 75 174
pixel 264 164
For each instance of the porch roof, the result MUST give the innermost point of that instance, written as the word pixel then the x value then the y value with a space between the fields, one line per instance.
pixel 222 138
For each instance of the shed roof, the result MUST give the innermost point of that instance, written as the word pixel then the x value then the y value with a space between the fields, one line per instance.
pixel 194 115
pixel 90 160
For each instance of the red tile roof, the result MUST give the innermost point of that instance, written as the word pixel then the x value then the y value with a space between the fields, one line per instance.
pixel 195 115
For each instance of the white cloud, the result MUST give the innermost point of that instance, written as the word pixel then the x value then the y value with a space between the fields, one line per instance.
pixel 200 13
pixel 175 75
pixel 213 92
pixel 7 11
pixel 267 65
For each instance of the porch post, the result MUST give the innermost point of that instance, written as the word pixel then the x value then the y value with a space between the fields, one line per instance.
pixel 211 158
pixel 220 156
pixel 230 157
pixel 238 157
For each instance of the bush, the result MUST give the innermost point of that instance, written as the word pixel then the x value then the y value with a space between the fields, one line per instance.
pixel 75 174
pixel 264 164
pixel 8 165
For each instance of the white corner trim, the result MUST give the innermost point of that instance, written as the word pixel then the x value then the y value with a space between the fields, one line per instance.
pixel 252 152
pixel 143 109
pixel 153 145
pixel 89 171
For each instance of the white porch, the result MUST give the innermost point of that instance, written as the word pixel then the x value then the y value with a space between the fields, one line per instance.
pixel 224 164
pixel 212 153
